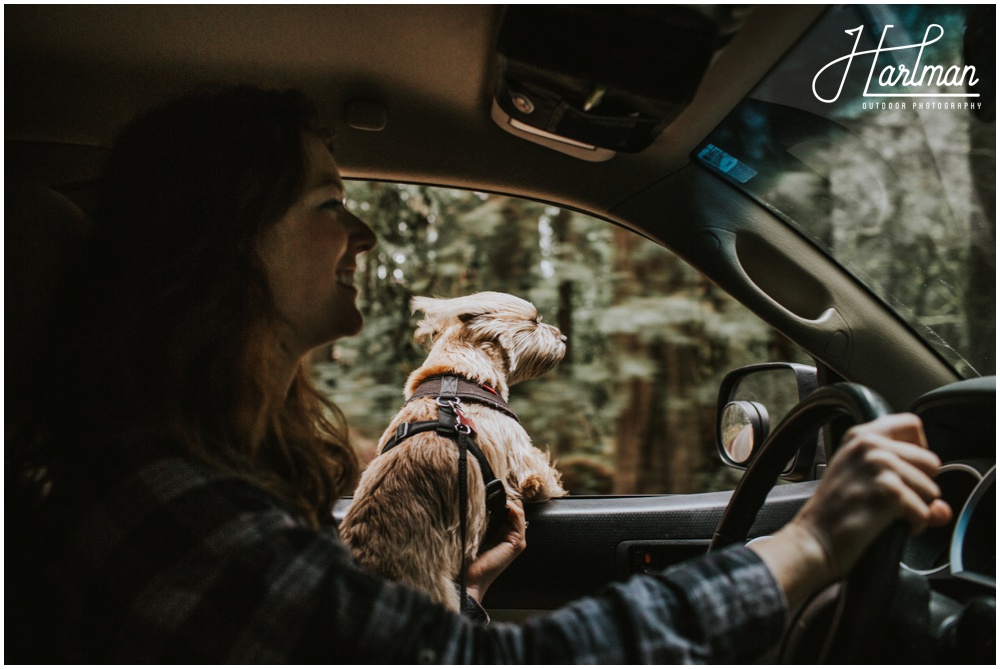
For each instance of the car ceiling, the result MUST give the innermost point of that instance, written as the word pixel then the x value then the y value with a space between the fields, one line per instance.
pixel 75 74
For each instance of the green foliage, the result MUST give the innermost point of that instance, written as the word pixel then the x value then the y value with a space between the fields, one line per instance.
pixel 625 310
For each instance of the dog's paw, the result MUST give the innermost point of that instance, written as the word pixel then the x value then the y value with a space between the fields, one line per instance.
pixel 536 488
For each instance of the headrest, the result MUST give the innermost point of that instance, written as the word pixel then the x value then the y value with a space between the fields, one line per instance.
pixel 41 229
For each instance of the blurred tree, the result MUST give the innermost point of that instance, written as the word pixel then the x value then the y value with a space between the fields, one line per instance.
pixel 630 409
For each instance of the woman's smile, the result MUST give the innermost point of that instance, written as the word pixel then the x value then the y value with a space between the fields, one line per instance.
pixel 311 258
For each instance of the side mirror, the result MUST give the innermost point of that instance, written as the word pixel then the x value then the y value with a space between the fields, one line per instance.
pixel 750 398
pixel 743 427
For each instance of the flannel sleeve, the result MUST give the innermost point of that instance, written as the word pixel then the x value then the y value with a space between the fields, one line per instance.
pixel 182 567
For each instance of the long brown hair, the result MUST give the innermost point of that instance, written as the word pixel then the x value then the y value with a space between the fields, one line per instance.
pixel 172 320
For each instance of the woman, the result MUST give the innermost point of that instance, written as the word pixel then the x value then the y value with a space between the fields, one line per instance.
pixel 189 493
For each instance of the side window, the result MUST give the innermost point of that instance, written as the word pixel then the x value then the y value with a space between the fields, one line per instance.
pixel 631 408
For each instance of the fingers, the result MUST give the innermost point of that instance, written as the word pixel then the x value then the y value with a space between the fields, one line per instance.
pixel 901 427
pixel 882 472
pixel 902 433
pixel 516 525
pixel 515 512
pixel 941 513
pixel 908 505
pixel 892 452
pixel 916 466
pixel 895 442
pixel 909 463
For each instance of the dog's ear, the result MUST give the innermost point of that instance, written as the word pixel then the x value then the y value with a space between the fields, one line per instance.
pixel 445 313
pixel 440 315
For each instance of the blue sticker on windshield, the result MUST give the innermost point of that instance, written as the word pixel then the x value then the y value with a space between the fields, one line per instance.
pixel 727 164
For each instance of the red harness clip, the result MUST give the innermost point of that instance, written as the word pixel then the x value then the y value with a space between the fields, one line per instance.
pixel 464 421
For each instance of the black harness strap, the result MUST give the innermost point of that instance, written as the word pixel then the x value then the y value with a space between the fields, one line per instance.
pixel 448 425
pixel 451 423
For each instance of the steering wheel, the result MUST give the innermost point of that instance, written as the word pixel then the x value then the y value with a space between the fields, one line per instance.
pixel 864 601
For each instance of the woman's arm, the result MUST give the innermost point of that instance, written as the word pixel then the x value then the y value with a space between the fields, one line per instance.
pixel 183 564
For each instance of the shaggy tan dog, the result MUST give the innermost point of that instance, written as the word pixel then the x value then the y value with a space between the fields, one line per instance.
pixel 404 521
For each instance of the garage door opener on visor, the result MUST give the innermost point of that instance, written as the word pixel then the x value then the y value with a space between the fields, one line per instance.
pixel 593 80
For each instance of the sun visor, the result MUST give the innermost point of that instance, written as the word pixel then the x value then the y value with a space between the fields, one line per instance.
pixel 594 80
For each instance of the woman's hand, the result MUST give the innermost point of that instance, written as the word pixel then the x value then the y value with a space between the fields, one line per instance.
pixel 493 561
pixel 882 472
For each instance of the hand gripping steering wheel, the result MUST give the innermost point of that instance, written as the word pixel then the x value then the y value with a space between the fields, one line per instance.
pixel 863 605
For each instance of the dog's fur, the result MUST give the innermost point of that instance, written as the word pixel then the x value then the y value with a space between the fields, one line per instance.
pixel 404 523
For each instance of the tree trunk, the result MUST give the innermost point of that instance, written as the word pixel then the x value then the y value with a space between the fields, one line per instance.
pixel 660 443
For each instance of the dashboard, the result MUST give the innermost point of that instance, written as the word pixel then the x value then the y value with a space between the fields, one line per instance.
pixel 965 547
pixel 958 561
pixel 972 551
pixel 959 420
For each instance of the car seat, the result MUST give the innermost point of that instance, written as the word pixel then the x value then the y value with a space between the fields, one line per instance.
pixel 41 230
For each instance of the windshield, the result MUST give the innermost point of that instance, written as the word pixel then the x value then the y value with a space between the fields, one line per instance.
pixel 875 137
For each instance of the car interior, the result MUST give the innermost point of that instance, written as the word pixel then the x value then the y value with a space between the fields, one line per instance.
pixel 642 117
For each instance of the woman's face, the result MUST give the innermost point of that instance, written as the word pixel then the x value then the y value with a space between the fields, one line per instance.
pixel 310 257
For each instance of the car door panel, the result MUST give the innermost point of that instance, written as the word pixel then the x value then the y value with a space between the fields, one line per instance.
pixel 577 545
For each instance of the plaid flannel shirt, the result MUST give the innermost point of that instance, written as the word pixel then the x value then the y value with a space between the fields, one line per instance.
pixel 168 561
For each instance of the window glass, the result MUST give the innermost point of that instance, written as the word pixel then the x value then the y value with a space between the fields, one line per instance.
pixel 631 408
pixel 876 138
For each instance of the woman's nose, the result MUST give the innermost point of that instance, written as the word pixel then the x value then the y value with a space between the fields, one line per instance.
pixel 362 237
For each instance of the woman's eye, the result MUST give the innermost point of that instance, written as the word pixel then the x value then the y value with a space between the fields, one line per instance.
pixel 333 205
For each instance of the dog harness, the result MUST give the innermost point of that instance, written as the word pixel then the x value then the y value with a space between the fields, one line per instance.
pixel 450 392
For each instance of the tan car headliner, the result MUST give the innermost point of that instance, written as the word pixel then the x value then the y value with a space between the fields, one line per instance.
pixel 76 73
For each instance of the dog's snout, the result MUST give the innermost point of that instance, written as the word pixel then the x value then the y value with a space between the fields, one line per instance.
pixel 557 333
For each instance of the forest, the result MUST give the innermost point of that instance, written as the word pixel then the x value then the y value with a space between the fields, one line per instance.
pixel 631 408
